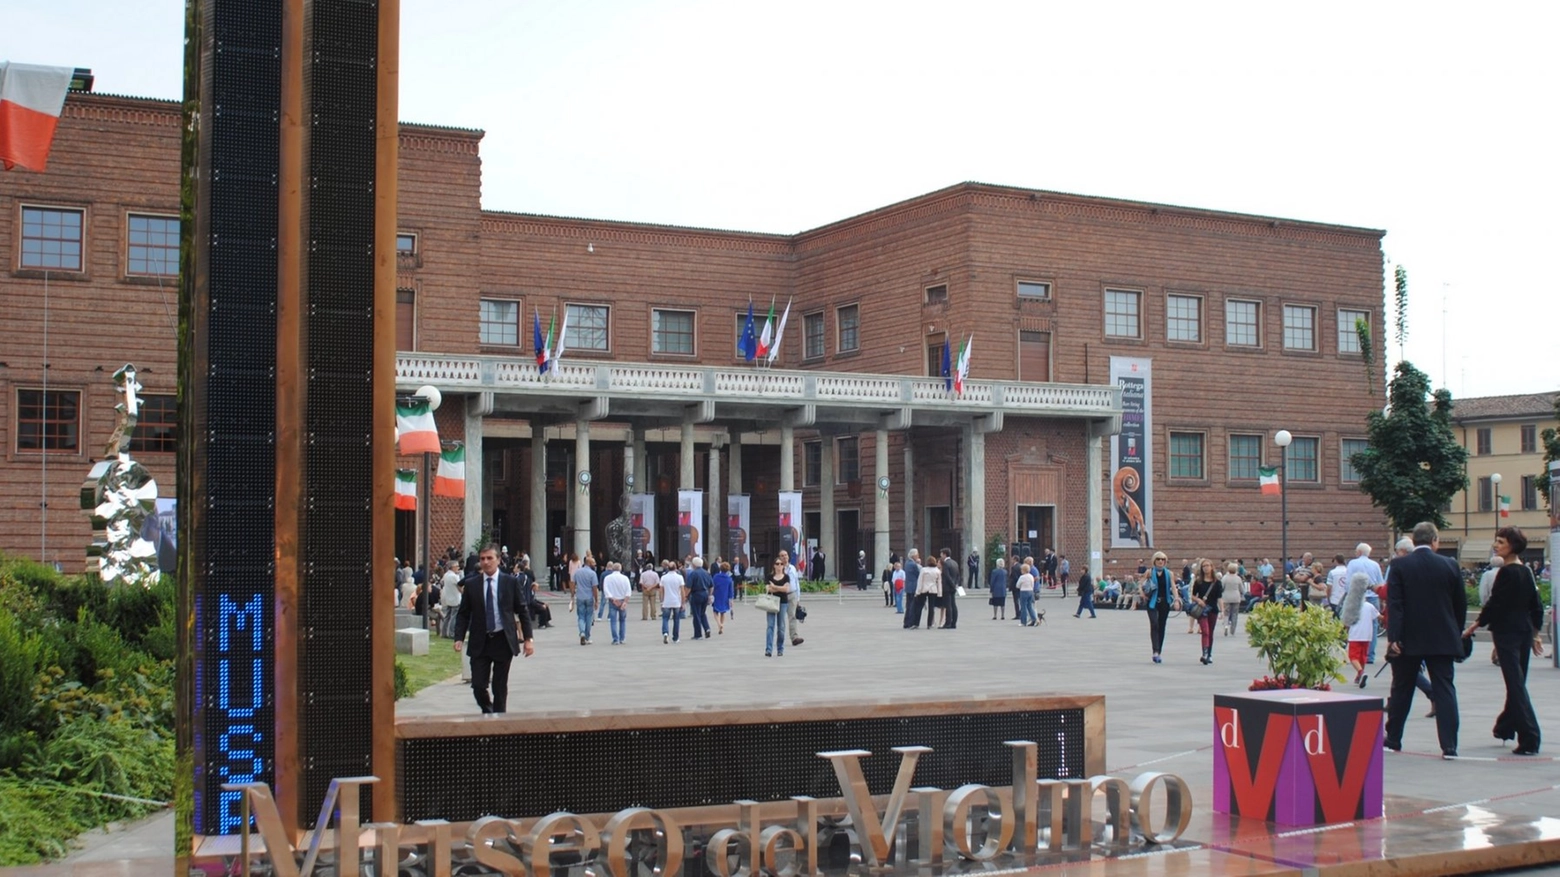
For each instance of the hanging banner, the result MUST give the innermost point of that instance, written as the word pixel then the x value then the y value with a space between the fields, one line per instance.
pixel 690 514
pixel 791 526
pixel 739 511
pixel 641 515
pixel 1131 507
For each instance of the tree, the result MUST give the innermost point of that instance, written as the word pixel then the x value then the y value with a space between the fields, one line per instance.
pixel 1551 453
pixel 1413 465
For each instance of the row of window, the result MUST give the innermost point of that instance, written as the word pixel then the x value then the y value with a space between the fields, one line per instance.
pixel 1188 458
pixel 53 239
pixel 1527 502
pixel 1483 442
pixel 1242 321
pixel 50 422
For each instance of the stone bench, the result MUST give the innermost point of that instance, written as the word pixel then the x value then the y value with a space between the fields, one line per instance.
pixel 411 641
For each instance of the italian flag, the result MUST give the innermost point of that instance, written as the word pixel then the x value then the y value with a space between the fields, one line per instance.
pixel 414 419
pixel 451 478
pixel 31 98
pixel 767 336
pixel 1268 477
pixel 963 373
pixel 406 490
pixel 774 348
pixel 1505 506
pixel 543 347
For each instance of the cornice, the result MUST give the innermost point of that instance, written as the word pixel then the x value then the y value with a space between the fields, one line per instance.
pixel 599 231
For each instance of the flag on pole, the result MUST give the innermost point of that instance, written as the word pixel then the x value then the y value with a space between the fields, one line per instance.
pixel 747 345
pixel 563 332
pixel 406 490
pixel 451 478
pixel 947 367
pixel 963 373
pixel 414 418
pixel 31 98
pixel 1267 476
pixel 1505 506
pixel 769 327
pixel 774 349
pixel 543 359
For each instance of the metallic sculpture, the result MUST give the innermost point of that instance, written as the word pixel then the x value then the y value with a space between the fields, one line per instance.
pixel 619 532
pixel 120 495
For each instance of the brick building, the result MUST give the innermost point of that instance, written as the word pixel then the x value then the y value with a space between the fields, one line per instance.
pixel 1246 325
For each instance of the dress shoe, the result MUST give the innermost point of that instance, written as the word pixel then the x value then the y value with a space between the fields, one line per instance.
pixel 1392 747
pixel 1448 754
pixel 1524 750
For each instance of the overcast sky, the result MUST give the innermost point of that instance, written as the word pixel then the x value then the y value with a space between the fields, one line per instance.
pixel 1435 122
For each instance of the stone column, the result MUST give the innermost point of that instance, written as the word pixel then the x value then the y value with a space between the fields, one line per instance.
pixel 787 456
pixel 909 489
pixel 685 456
pixel 581 498
pixel 880 523
pixel 734 464
pixel 714 508
pixel 1094 507
pixel 636 441
pixel 827 519
pixel 975 495
pixel 540 547
pixel 474 512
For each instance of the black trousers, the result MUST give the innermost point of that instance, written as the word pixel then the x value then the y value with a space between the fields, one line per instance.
pixel 950 602
pixel 1517 719
pixel 1157 616
pixel 1443 696
pixel 914 610
pixel 492 664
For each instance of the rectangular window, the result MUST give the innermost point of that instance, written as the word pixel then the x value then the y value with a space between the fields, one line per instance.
pixel 1303 460
pixel 671 332
pixel 406 319
pixel 1034 356
pixel 812 336
pixel 1242 323
pixel 1348 333
pixel 848 322
pixel 1529 493
pixel 847 460
pixel 1122 308
pixel 1186 455
pixel 1183 318
pixel 157 427
pixel 406 244
pixel 1529 438
pixel 588 327
pixel 500 323
pixel 1299 327
pixel 1486 495
pixel 1482 441
pixel 51 238
pixel 1245 457
pixel 152 246
pixel 934 358
pixel 812 463
pixel 1033 289
pixel 936 295
pixel 1346 471
pixel 48 422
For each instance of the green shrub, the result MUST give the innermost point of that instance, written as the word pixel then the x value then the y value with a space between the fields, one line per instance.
pixel 36 822
pixel 21 660
pixel 403 685
pixel 1301 645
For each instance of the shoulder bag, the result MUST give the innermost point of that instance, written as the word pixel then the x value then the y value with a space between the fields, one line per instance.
pixel 768 603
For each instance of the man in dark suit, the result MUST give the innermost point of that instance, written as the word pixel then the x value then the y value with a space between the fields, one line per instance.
pixel 1426 607
pixel 489 608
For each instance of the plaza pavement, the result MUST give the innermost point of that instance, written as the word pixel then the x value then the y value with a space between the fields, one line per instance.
pixel 1158 717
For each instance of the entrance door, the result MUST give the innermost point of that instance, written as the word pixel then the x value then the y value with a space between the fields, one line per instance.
pixel 847 535
pixel 1036 526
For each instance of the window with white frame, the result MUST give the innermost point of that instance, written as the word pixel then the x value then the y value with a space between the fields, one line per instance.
pixel 1245 457
pixel 1186 455
pixel 848 323
pixel 1034 289
pixel 1242 323
pixel 1348 329
pixel 1348 447
pixel 406 244
pixel 500 326
pixel 1123 312
pixel 152 245
pixel 937 294
pixel 1303 460
pixel 51 238
pixel 1299 327
pixel 1183 318
pixel 812 336
pixel 671 332
pixel 589 327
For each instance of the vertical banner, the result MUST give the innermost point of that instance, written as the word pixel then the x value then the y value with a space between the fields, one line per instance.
pixel 1554 555
pixel 791 526
pixel 739 511
pixel 1131 506
pixel 641 516
pixel 690 515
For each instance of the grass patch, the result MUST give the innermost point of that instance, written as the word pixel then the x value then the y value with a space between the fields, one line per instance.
pixel 441 662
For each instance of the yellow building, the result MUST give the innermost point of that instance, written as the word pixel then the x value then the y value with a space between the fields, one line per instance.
pixel 1505 458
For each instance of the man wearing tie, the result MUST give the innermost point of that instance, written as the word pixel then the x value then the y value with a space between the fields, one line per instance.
pixel 489 608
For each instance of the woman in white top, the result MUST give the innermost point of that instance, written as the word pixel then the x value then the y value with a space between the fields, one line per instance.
pixel 1234 593
pixel 1026 596
pixel 930 584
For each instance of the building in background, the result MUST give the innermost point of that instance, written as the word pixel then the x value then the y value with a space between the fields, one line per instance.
pixel 1502 436
pixel 1222 329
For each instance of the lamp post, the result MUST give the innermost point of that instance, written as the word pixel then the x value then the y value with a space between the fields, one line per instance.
pixel 435 398
pixel 1495 498
pixel 1282 438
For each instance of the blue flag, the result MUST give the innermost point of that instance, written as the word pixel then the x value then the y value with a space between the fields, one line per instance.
pixel 947 368
pixel 747 345
pixel 542 362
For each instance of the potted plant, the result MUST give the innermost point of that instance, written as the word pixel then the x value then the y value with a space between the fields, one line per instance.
pixel 1300 645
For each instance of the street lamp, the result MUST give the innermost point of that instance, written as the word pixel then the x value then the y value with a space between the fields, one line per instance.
pixel 1282 438
pixel 1495 498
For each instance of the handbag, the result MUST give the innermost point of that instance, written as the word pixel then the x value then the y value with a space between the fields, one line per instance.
pixel 801 613
pixel 769 603
pixel 1196 610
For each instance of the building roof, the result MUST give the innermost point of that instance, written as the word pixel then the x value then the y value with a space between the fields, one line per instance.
pixel 1527 405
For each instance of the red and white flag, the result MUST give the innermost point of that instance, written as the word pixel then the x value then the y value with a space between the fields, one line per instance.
pixel 31 97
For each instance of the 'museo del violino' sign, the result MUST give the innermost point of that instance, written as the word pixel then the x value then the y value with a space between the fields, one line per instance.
pixel 1030 822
